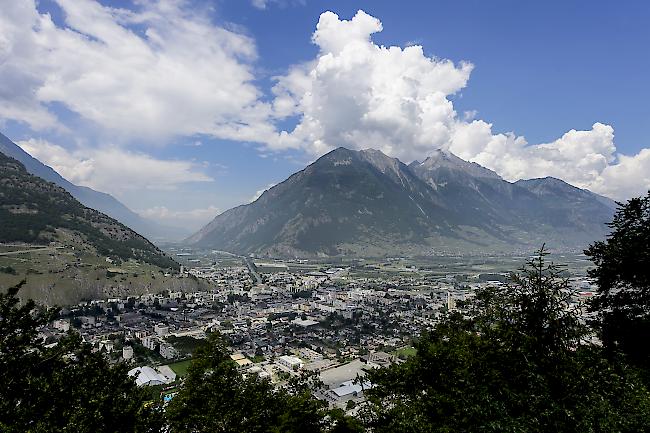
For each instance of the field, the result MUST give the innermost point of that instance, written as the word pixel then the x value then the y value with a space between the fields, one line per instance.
pixel 65 275
pixel 466 266
pixel 405 352
pixel 180 368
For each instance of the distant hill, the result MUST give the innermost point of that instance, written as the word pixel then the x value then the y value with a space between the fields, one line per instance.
pixel 100 201
pixel 368 204
pixel 68 252
pixel 34 211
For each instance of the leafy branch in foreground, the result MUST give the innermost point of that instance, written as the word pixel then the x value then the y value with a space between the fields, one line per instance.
pixel 514 360
pixel 217 398
pixel 622 274
pixel 65 387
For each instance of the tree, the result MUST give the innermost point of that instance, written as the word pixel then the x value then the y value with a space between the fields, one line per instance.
pixel 216 398
pixel 512 360
pixel 622 274
pixel 65 388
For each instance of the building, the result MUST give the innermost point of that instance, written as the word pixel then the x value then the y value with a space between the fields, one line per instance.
pixel 149 341
pixel 127 353
pixel 380 359
pixel 62 325
pixel 304 323
pixel 309 354
pixel 263 374
pixel 349 389
pixel 161 329
pixel 451 302
pixel 106 345
pixel 147 376
pixel 290 362
pixel 167 351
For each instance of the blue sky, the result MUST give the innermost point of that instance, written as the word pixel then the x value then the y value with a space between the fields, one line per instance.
pixel 541 67
pixel 171 107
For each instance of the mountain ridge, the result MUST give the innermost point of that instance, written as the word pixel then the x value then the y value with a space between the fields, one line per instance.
pixel 89 197
pixel 33 209
pixel 67 252
pixel 366 203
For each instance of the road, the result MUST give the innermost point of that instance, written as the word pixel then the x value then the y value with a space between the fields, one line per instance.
pixel 31 250
pixel 251 269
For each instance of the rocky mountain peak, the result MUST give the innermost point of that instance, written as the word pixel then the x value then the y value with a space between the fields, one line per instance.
pixel 440 158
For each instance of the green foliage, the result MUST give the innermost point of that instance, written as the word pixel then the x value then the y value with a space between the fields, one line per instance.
pixel 184 345
pixel 65 388
pixel 622 274
pixel 342 423
pixel 216 398
pixel 514 361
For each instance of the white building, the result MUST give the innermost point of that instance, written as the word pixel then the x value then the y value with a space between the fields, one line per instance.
pixel 304 323
pixel 62 325
pixel 149 341
pixel 127 352
pixel 309 354
pixel 349 389
pixel 106 345
pixel 451 302
pixel 290 362
pixel 161 329
pixel 147 376
pixel 167 351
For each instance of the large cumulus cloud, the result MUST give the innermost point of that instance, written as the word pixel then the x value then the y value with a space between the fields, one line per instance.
pixel 358 94
pixel 162 69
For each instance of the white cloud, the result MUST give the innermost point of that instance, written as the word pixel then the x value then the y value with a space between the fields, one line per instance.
pixel 259 192
pixel 163 69
pixel 157 71
pixel 113 169
pixel 259 4
pixel 360 95
pixel 579 157
pixel 587 159
pixel 191 219
pixel 628 178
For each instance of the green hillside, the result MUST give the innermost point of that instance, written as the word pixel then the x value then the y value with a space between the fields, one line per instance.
pixel 35 211
pixel 67 252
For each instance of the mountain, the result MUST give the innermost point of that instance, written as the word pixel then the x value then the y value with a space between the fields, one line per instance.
pixel 366 203
pixel 541 210
pixel 316 210
pixel 68 252
pixel 35 211
pixel 100 201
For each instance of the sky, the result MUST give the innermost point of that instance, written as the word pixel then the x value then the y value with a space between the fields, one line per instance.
pixel 182 109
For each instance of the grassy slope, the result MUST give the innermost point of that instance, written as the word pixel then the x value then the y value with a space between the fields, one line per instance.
pixel 63 246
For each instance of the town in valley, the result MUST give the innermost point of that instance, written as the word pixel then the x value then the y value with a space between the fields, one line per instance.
pixel 335 318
